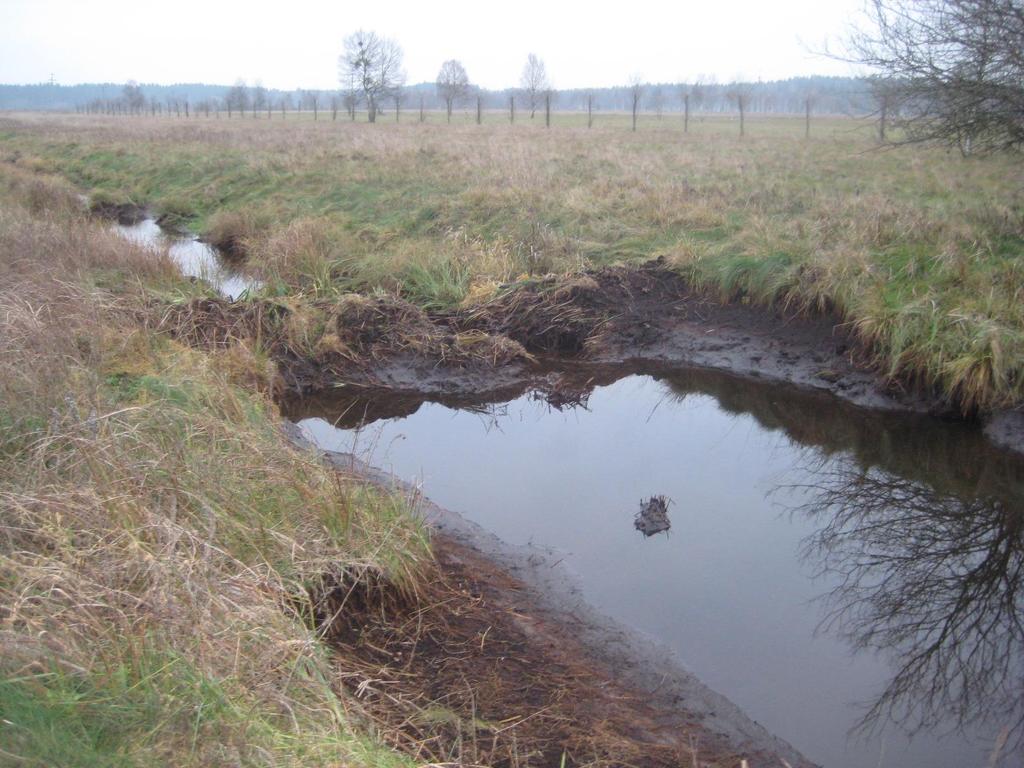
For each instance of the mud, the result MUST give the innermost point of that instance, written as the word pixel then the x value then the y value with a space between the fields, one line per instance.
pixel 500 662
pixel 124 214
pixel 617 315
pixel 612 315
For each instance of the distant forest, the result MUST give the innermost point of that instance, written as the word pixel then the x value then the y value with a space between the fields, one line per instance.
pixel 828 95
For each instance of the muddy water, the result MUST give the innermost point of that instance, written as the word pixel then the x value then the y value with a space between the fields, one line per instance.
pixel 194 257
pixel 815 550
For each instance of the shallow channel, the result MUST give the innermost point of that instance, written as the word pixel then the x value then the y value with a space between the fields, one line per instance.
pixel 819 555
pixel 193 257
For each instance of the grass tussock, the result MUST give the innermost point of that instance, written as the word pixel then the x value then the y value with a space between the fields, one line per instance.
pixel 232 232
pixel 159 543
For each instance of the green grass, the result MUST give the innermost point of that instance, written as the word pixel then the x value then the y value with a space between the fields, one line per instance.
pixel 917 248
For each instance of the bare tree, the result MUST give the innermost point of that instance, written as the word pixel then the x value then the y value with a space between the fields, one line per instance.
pixel 810 98
pixel 636 94
pixel 883 93
pixel 350 96
pixel 311 100
pixel 685 97
pixel 351 101
pixel 534 82
pixel 237 97
pixel 259 98
pixel 954 69
pixel 398 98
pixel 133 97
pixel 373 64
pixel 658 101
pixel 452 84
pixel 739 95
pixel 700 92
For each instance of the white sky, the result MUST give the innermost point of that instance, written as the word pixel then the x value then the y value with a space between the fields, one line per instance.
pixel 293 44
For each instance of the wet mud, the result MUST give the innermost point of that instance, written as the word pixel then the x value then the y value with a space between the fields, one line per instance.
pixel 618 315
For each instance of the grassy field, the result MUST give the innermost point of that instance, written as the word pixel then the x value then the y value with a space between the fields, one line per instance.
pixel 155 527
pixel 917 248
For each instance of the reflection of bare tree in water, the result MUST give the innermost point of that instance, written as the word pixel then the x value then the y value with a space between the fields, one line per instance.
pixel 936 581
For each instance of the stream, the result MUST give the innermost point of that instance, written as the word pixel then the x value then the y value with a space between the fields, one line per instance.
pixel 193 257
pixel 851 579
pixel 821 559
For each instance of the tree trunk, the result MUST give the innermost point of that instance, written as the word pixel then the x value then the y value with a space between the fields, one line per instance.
pixel 511 110
pixel 479 111
pixel 547 110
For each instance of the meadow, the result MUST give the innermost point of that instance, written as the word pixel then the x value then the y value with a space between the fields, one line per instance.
pixel 916 248
pixel 161 546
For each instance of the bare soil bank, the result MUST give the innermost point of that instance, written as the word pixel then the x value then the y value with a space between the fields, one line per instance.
pixel 617 315
pixel 498 661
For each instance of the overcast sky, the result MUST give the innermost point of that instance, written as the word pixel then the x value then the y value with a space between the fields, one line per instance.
pixel 293 44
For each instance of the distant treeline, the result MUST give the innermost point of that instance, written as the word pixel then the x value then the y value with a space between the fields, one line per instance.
pixel 829 95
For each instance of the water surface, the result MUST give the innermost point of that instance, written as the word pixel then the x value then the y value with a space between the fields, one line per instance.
pixel 193 257
pixel 903 535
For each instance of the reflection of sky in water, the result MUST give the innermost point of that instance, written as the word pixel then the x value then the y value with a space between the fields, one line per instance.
pixel 193 257
pixel 725 589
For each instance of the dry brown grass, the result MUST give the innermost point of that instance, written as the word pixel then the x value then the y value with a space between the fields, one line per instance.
pixel 154 529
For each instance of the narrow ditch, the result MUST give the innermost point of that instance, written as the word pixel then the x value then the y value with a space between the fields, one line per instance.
pixel 777 496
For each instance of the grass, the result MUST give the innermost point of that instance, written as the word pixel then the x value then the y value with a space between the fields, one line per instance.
pixel 917 248
pixel 158 539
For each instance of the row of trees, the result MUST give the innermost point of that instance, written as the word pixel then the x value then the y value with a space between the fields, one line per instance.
pixel 950 71
pixel 451 90
pixel 240 99
pixel 371 68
